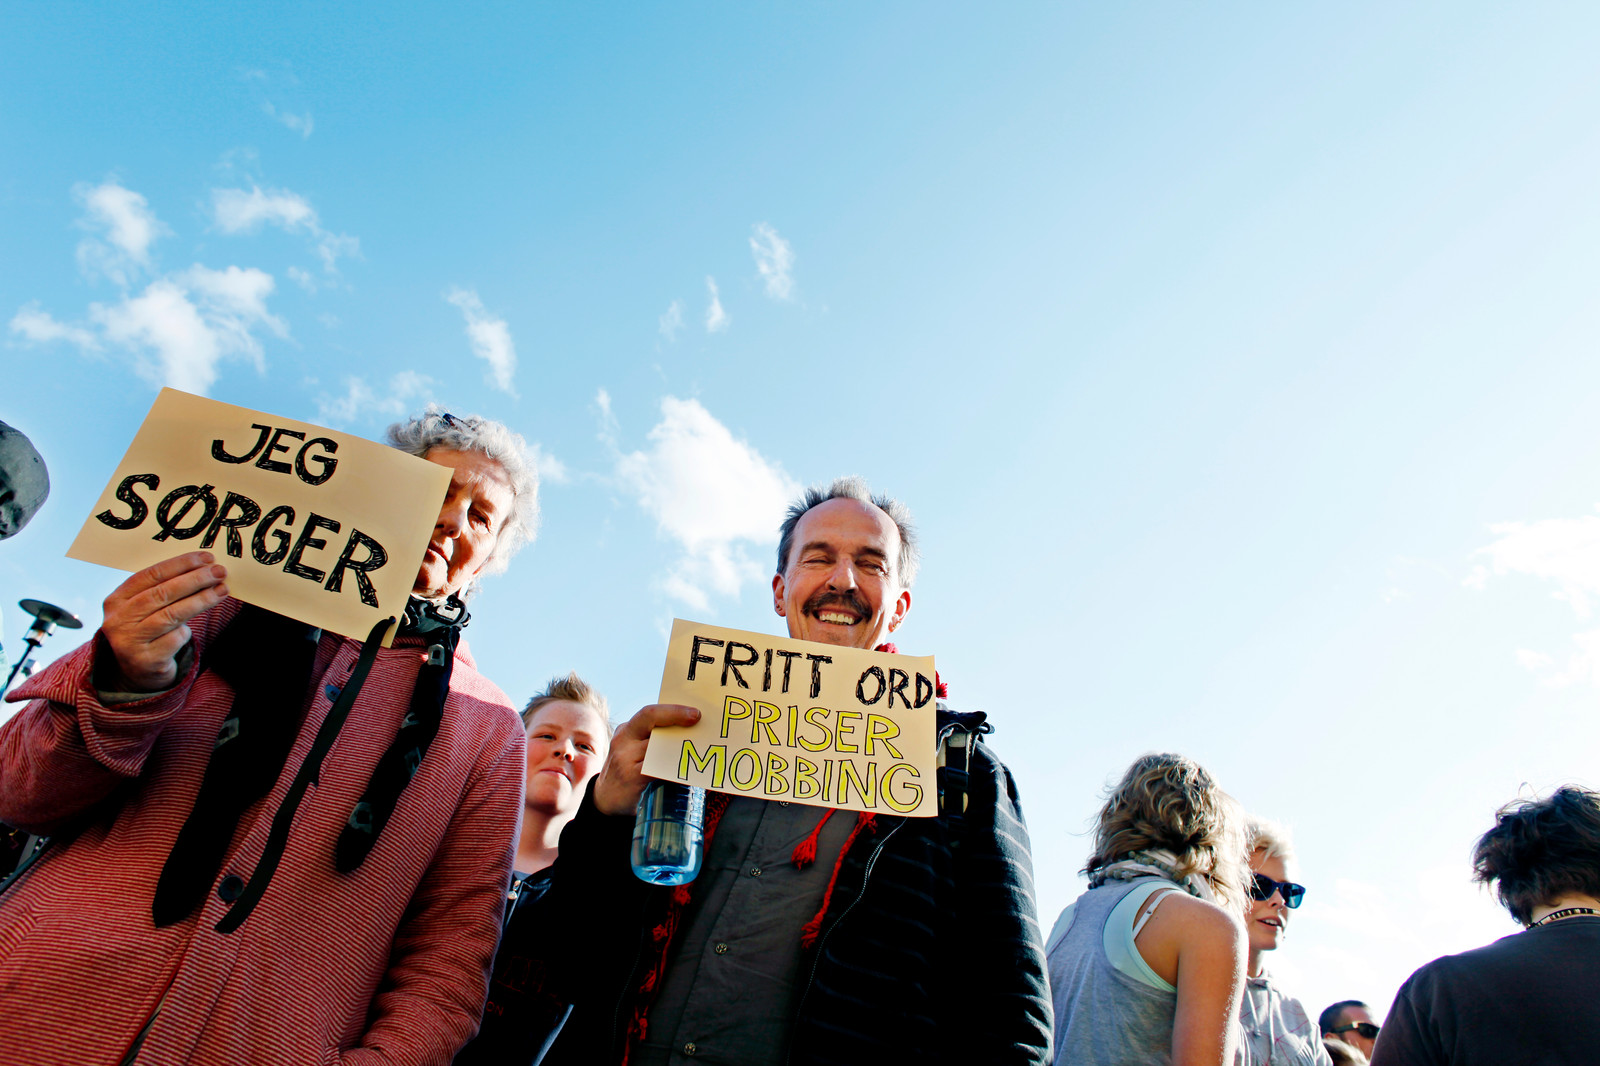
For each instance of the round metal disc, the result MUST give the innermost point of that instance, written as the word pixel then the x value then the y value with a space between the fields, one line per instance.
pixel 49 612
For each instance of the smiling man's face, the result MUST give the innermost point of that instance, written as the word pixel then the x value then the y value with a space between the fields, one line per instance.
pixel 840 584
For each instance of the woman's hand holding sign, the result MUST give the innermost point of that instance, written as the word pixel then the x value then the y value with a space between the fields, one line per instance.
pixel 146 618
pixel 621 780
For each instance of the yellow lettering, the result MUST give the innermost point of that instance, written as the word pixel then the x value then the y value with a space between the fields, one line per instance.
pixel 839 744
pixel 910 786
pixel 777 766
pixel 827 737
pixel 716 757
pixel 764 720
pixel 755 770
pixel 794 722
pixel 805 779
pixel 867 789
pixel 886 733
pixel 728 714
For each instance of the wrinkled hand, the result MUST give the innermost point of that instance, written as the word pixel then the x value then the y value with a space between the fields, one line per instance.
pixel 617 789
pixel 146 617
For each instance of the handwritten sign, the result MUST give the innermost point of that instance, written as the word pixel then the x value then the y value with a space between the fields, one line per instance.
pixel 311 523
pixel 786 719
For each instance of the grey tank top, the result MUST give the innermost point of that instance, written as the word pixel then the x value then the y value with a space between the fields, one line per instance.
pixel 1104 1017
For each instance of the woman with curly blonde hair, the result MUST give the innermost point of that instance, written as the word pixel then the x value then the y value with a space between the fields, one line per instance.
pixel 1147 965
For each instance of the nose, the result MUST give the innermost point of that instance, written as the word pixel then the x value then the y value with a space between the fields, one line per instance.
pixel 452 517
pixel 843 575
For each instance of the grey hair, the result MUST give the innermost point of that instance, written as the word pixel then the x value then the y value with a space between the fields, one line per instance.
pixel 438 428
pixel 1270 838
pixel 855 488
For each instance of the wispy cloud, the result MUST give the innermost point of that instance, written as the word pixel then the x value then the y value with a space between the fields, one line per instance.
pixel 1566 552
pixel 38 327
pixel 716 317
pixel 774 260
pixel 671 321
pixel 490 338
pixel 712 494
pixel 361 402
pixel 300 124
pixel 240 211
pixel 122 228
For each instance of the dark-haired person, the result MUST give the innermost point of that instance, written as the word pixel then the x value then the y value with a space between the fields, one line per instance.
pixel 811 935
pixel 1534 996
pixel 1350 1021
pixel 1146 966
pixel 569 731
pixel 1277 1030
pixel 275 845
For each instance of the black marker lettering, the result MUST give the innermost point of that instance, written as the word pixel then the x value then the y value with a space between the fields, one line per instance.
pixel 267 462
pixel 861 682
pixel 816 671
pixel 327 461
pixel 728 662
pixel 258 543
pixel 136 505
pixel 376 557
pixel 695 656
pixel 249 511
pixel 294 566
pixel 788 660
pixel 898 680
pixel 171 523
pixel 924 691
pixel 222 456
pixel 766 677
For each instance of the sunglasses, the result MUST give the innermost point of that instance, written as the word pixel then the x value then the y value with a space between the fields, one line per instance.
pixel 1293 894
pixel 1366 1029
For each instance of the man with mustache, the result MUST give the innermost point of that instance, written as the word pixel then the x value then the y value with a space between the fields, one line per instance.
pixel 811 935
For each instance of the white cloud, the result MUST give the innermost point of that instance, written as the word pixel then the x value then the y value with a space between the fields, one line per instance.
pixel 300 124
pixel 490 338
pixel 190 321
pixel 39 327
pixel 710 492
pixel 123 228
pixel 303 278
pixel 716 317
pixel 1565 551
pixel 360 401
pixel 551 470
pixel 671 321
pixel 237 211
pixel 774 258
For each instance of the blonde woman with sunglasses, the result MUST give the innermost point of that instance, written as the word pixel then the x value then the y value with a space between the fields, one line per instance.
pixel 1277 1030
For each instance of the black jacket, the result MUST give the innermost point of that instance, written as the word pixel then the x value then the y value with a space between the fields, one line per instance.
pixel 933 924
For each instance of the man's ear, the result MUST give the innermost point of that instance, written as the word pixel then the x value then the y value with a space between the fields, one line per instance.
pixel 902 607
pixel 777 595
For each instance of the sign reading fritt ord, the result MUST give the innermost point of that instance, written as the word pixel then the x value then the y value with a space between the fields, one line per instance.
pixel 315 524
pixel 786 719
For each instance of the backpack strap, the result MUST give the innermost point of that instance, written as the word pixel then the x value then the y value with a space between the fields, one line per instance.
pixel 955 753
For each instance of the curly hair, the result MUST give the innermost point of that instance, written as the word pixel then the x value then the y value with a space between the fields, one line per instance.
pixel 1170 802
pixel 438 428
pixel 1540 850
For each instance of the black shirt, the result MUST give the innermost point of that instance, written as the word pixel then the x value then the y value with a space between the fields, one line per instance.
pixel 1530 999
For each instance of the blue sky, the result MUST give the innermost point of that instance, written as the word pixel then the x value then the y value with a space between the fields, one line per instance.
pixel 1238 363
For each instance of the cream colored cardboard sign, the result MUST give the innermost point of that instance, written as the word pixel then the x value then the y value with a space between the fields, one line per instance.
pixel 311 523
pixel 786 719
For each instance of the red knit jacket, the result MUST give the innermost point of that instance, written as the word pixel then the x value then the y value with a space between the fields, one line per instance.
pixel 387 964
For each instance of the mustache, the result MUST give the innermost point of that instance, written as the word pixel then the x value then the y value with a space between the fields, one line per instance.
pixel 848 599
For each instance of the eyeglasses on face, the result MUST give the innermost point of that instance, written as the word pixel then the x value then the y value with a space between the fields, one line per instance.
pixel 1265 886
pixel 1366 1029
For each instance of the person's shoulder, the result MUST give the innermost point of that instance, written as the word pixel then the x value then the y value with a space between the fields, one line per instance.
pixel 1201 920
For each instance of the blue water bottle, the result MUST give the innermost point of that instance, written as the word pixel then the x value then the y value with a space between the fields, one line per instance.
pixel 669 833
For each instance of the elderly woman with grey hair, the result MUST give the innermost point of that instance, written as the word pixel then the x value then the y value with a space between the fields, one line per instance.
pixel 311 835
pixel 1277 1030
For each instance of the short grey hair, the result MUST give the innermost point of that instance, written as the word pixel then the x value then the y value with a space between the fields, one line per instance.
pixel 1270 838
pixel 854 488
pixel 438 428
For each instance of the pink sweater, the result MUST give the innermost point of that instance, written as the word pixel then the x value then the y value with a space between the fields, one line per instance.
pixel 387 964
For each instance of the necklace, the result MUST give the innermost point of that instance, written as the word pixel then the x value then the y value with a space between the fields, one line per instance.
pixel 1569 912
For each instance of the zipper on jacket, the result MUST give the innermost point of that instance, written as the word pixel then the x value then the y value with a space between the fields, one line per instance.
pixel 822 941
